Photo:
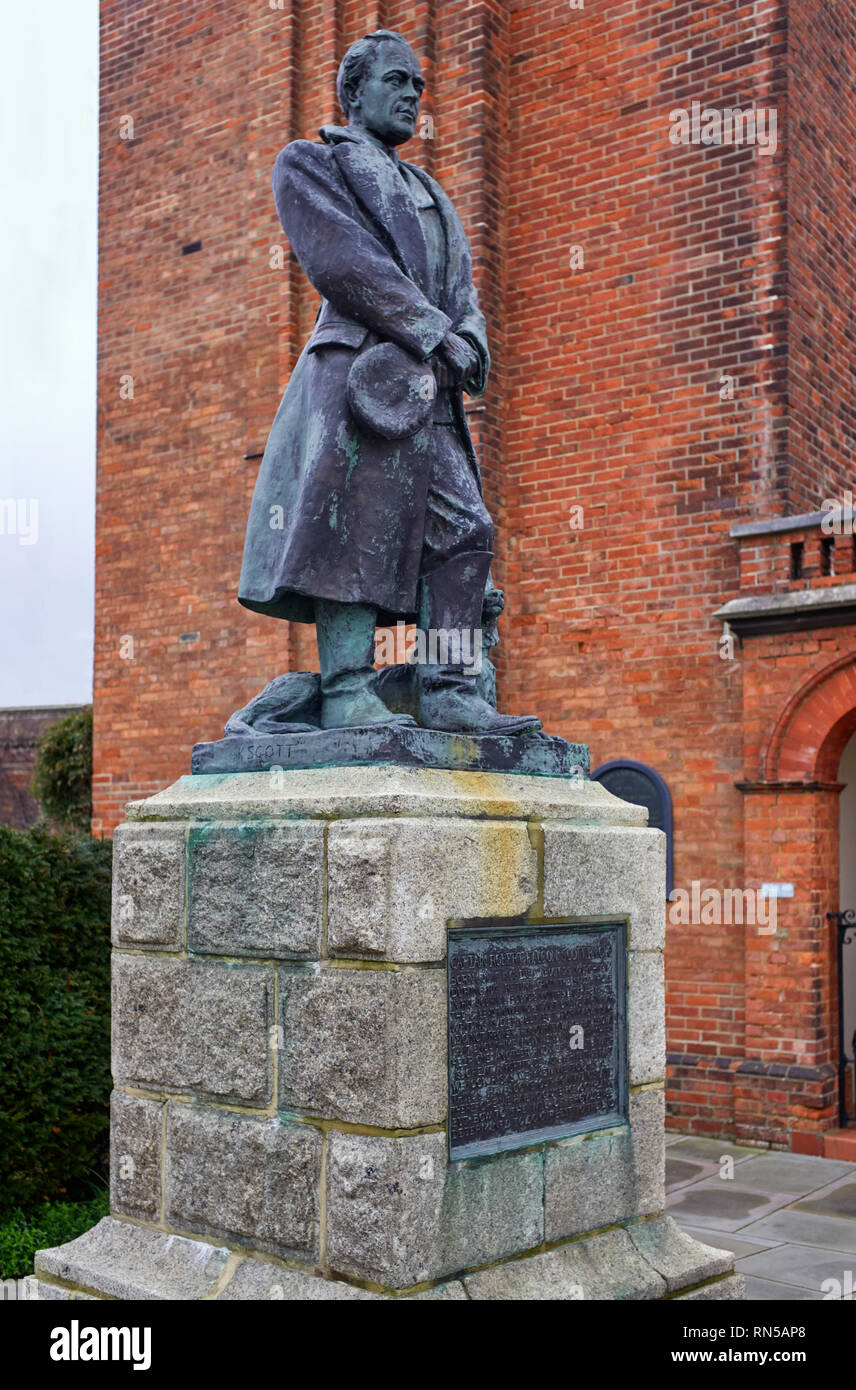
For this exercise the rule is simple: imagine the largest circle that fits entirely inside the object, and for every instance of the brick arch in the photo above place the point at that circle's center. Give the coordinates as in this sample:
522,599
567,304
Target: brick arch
814,727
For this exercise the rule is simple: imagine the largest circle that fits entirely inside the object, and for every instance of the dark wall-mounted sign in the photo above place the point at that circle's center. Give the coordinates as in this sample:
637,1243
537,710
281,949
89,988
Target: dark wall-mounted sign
537,1034
644,787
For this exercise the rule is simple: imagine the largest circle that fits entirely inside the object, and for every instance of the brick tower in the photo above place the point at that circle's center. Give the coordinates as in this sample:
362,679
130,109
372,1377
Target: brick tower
669,300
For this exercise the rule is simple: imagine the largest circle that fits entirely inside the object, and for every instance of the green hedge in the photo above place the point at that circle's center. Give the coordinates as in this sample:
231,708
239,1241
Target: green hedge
53,1223
54,1016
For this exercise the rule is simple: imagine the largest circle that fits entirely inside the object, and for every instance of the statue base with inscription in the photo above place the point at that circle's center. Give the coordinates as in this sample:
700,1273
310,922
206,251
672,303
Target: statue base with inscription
387,1032
399,745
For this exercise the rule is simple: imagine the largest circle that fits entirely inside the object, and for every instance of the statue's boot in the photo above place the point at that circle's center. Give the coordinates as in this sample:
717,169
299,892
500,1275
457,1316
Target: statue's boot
346,645
451,604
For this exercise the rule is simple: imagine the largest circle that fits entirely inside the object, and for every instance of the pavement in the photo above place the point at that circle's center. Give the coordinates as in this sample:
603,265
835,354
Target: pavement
790,1219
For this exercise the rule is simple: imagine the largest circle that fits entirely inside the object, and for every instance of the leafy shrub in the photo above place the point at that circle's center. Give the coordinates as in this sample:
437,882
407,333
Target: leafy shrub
51,1224
63,776
54,1015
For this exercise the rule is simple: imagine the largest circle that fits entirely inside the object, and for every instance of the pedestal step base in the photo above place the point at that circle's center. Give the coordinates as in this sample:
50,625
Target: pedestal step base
647,1260
534,755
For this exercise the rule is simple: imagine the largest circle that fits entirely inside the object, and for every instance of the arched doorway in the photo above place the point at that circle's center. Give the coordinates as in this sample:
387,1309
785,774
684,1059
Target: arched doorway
806,801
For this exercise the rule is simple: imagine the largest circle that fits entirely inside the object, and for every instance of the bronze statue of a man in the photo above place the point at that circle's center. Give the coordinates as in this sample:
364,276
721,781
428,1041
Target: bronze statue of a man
368,507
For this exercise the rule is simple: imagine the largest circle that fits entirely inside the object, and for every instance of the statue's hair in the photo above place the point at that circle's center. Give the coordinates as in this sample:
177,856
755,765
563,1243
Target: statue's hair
352,68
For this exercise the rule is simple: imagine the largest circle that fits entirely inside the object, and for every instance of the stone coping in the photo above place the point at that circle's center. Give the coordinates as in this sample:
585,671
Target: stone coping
344,792
794,601
804,521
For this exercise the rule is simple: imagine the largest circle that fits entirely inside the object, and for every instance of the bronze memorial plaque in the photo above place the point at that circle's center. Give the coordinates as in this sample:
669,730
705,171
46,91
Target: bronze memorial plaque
537,1034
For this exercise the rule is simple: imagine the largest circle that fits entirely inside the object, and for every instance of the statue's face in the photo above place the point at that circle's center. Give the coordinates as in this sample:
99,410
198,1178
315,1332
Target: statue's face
387,101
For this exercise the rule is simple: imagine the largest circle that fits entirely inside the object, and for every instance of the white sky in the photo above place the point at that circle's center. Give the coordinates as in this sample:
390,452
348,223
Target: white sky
48,255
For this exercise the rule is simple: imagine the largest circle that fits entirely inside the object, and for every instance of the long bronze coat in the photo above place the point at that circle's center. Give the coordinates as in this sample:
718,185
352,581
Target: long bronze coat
338,513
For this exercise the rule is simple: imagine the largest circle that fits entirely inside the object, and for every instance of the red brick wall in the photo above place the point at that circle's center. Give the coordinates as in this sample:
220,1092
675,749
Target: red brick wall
821,269
672,384
199,334
616,407
21,732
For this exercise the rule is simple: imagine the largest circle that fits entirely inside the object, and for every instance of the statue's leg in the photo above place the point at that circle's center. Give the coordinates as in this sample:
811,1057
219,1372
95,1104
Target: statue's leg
450,614
456,563
346,644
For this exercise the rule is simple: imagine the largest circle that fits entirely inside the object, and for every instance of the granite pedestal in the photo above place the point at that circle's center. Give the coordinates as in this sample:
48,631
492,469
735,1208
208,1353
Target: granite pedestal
280,1049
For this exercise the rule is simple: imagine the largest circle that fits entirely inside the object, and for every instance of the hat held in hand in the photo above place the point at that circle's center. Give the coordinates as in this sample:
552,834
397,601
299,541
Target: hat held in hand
390,392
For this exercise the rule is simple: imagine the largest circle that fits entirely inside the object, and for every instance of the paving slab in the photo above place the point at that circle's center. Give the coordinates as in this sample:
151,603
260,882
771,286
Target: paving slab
806,1266
721,1205
711,1150
798,1227
686,1164
793,1174
681,1171
765,1290
839,1199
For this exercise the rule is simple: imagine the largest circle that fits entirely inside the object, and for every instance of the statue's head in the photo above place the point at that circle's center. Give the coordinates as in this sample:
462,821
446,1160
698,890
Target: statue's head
380,86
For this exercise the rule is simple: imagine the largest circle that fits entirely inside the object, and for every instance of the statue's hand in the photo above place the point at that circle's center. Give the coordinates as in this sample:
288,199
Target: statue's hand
443,375
459,357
